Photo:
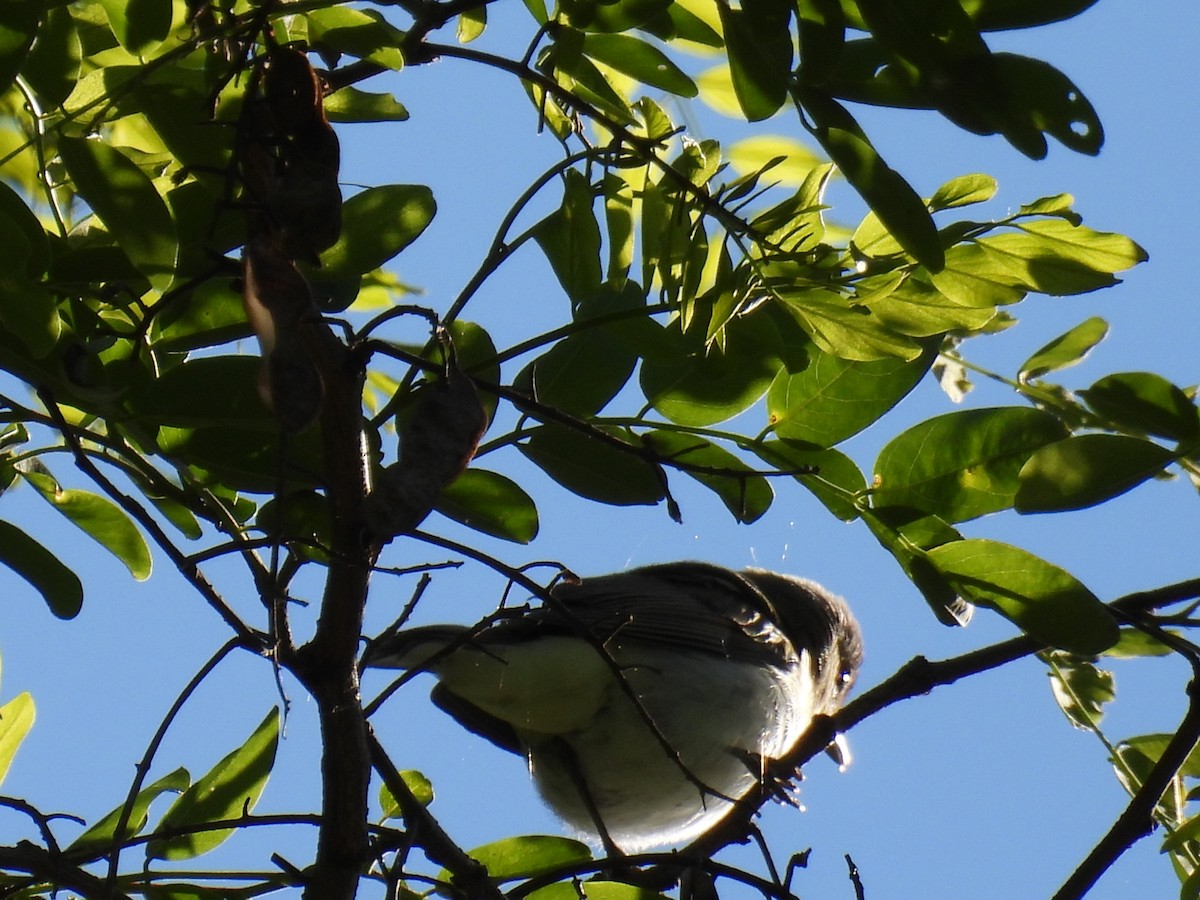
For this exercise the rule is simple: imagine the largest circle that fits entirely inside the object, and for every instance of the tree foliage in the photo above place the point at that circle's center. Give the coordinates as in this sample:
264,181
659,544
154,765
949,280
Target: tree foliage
172,188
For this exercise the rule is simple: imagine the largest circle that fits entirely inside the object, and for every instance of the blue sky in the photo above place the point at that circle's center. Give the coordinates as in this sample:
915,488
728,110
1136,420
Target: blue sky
981,789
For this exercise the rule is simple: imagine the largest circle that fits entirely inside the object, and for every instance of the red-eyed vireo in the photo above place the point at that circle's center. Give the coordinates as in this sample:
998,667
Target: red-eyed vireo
646,701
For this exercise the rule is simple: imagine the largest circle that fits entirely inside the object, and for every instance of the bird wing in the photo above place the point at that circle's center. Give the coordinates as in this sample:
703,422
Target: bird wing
685,606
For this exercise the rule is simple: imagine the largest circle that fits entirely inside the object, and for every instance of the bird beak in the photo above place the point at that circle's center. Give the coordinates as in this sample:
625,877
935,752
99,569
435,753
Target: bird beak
839,752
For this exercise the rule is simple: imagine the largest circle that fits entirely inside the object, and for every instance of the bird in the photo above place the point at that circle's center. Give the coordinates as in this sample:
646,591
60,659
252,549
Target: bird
647,702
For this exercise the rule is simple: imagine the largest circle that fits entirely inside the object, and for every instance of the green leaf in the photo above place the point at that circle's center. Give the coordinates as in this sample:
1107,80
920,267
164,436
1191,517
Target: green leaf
227,791
697,386
490,503
128,204
528,856
833,399
1145,403
1065,350
759,47
898,206
745,495
845,328
796,160
1135,643
104,833
594,469
1046,602
963,191
1004,15
963,464
610,15
1081,689
639,60
18,25
1050,102
206,390
907,533
58,585
596,890
139,25
27,310
212,314
365,35
570,238
418,785
975,276
377,223
1086,469
581,373
52,67
97,517
1055,257
349,104
471,24
246,456
836,481
16,718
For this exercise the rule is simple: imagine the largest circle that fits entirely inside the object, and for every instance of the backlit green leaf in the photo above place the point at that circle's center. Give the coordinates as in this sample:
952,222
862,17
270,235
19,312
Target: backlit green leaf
1087,469
963,464
16,718
1055,257
753,153
227,791
907,533
362,34
349,104
833,399
104,833
128,204
706,386
1044,601
528,855
963,191
639,60
1065,350
490,503
97,517
376,225
835,482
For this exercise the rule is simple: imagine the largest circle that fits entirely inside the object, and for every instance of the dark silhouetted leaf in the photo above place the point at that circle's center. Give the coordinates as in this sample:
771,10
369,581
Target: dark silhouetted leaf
592,468
1145,403
58,585
1087,469
745,495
